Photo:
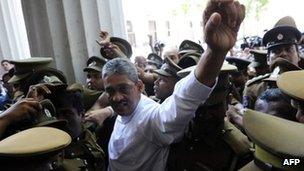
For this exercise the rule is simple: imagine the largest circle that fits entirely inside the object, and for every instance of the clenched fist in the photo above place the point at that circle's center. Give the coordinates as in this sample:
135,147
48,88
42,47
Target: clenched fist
222,19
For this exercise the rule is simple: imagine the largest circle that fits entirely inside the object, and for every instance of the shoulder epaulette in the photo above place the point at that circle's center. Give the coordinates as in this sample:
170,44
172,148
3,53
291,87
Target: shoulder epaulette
256,79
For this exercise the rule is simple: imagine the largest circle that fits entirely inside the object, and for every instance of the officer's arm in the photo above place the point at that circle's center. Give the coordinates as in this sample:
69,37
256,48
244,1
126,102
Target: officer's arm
23,109
101,102
98,116
222,19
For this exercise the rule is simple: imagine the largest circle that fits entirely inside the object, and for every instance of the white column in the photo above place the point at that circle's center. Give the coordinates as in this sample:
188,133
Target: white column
111,17
38,28
13,41
76,37
60,42
91,25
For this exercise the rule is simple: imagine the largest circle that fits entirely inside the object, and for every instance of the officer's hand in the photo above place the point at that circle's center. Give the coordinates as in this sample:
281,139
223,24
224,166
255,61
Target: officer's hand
26,108
38,91
222,19
105,38
109,49
234,115
98,116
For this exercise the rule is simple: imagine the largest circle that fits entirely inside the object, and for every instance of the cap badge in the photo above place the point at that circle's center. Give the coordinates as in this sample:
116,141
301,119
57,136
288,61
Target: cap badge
46,79
280,36
92,64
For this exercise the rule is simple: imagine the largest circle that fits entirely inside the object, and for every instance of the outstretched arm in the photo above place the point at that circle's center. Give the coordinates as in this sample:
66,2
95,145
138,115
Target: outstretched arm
222,19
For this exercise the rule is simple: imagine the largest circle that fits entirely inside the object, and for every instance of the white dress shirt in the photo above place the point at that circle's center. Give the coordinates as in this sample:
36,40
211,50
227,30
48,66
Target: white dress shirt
141,140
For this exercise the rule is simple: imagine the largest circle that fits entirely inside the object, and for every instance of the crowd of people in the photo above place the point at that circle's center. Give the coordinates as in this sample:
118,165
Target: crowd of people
185,109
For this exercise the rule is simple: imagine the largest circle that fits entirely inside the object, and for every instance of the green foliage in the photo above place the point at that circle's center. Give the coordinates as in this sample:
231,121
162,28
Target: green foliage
187,5
255,7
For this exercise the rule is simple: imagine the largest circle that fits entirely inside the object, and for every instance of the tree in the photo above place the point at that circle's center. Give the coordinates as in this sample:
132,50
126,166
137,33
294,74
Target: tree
254,7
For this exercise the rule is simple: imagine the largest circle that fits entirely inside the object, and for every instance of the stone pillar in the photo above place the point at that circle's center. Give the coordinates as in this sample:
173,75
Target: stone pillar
111,17
60,42
47,33
13,37
76,37
91,26
38,28
67,30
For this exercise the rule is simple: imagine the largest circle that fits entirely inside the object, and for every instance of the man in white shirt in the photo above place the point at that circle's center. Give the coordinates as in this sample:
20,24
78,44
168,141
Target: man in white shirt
144,129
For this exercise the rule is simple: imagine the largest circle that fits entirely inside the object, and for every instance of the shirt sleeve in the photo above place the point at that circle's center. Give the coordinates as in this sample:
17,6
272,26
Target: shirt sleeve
173,115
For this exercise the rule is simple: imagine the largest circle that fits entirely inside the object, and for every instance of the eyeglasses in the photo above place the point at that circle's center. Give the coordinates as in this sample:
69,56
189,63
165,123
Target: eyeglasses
122,89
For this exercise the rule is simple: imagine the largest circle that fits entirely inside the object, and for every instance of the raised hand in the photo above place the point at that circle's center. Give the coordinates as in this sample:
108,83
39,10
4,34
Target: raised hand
222,19
38,91
108,49
105,38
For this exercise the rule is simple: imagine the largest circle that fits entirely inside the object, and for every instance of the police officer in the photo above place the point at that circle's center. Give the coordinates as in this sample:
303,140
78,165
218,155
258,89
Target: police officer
147,75
94,84
39,148
23,69
281,42
279,66
83,152
156,60
189,53
271,135
166,79
259,62
238,78
291,83
93,70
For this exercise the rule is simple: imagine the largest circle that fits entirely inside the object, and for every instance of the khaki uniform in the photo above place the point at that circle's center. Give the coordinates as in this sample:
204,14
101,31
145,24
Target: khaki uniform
39,148
89,96
276,141
84,154
253,88
225,148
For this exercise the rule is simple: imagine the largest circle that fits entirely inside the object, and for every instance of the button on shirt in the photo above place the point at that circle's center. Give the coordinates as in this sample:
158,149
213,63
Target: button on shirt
141,140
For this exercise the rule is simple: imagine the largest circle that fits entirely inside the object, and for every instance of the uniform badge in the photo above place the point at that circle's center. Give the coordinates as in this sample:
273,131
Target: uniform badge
47,79
92,64
280,36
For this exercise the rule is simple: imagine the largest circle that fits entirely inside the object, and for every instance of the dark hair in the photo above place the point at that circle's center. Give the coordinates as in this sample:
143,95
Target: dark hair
273,94
5,60
66,99
283,110
296,46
